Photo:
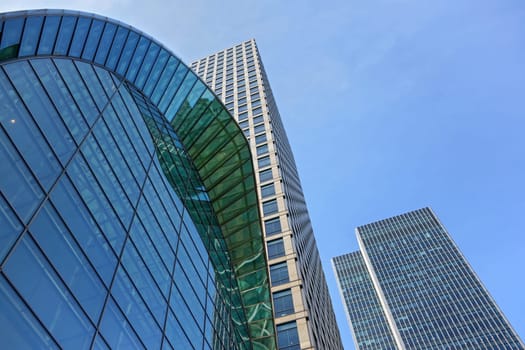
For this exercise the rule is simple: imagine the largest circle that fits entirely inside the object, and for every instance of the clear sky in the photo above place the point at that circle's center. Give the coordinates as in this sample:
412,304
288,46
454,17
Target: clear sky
390,105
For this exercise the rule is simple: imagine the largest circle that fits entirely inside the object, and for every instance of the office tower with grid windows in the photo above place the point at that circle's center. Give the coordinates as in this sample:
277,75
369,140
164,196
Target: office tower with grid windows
128,203
303,310
409,287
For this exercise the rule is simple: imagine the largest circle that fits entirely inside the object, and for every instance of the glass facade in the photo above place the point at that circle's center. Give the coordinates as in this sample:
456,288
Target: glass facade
128,204
430,297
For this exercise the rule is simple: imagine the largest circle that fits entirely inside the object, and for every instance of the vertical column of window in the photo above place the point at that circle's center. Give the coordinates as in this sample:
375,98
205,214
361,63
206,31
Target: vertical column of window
146,65
95,32
10,43
175,335
272,226
165,79
275,248
270,207
79,37
32,29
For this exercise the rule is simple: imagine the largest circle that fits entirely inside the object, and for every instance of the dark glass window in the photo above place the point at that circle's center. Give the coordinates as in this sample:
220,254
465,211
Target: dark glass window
270,207
265,175
264,161
243,116
48,35
260,139
243,124
31,34
257,110
275,248
287,336
268,190
258,128
279,274
258,120
262,149
272,226
283,303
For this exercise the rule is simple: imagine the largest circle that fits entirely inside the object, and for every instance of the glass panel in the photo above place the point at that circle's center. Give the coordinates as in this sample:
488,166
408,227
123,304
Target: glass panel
272,226
82,225
78,89
275,248
93,84
116,329
165,78
270,207
279,274
172,87
116,46
49,33
105,43
81,32
61,97
138,57
41,108
67,27
11,226
265,175
11,35
156,71
128,50
135,311
147,64
31,35
175,333
287,336
41,288
181,95
92,41
20,328
268,190
66,257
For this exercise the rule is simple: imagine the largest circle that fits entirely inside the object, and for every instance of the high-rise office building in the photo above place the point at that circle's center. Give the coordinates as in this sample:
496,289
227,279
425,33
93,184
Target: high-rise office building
129,216
409,287
303,310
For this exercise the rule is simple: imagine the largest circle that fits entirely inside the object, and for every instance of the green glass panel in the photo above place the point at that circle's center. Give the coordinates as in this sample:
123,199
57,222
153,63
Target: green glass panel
255,295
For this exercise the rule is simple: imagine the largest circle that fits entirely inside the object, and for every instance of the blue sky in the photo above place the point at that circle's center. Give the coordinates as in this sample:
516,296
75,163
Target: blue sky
390,105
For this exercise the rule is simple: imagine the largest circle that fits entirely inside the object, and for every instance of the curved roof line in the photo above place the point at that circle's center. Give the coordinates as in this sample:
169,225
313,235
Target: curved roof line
209,133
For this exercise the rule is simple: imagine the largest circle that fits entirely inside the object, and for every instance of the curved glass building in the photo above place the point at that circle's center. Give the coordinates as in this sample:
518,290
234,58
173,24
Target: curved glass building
128,209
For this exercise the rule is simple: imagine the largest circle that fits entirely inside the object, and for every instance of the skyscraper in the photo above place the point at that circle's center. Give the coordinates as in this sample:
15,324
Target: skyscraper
409,287
303,309
128,208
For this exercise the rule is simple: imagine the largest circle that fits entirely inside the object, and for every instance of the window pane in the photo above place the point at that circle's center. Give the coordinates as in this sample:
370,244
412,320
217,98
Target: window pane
31,34
105,43
283,303
260,138
262,149
268,190
64,35
287,336
272,226
41,288
92,41
79,37
264,161
276,248
270,207
279,274
49,33
265,175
